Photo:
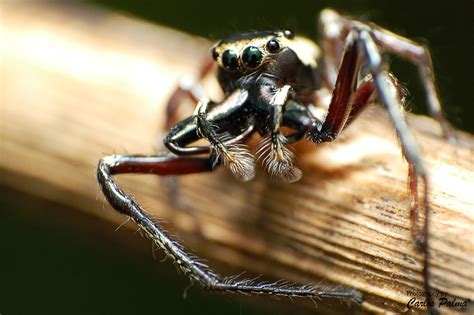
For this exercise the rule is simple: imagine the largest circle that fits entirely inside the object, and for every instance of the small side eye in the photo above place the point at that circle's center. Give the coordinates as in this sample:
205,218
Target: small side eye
214,53
289,34
273,46
230,60
252,57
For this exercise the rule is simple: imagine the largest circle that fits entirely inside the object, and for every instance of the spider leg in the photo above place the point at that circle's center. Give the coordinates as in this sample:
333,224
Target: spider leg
188,87
387,94
334,29
360,98
181,135
421,57
413,189
228,115
299,118
386,85
195,270
348,101
225,125
365,93
340,105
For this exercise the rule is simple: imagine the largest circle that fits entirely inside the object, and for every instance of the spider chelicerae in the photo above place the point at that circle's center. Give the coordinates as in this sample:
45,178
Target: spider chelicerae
274,80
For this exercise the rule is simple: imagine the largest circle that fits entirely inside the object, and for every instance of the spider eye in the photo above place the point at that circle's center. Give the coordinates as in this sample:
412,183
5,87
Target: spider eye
230,60
252,57
273,46
289,34
214,53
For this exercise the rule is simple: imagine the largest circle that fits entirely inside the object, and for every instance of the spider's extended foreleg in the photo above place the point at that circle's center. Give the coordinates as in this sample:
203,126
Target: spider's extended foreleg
195,270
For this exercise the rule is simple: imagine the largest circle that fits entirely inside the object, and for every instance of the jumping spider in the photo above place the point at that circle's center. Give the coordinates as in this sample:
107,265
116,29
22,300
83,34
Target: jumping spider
274,79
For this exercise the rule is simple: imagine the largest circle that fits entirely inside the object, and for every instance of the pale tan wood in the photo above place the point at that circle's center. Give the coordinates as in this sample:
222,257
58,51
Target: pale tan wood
79,83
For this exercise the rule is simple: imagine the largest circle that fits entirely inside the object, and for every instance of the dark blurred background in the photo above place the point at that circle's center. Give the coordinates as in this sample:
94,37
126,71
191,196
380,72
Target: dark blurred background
48,267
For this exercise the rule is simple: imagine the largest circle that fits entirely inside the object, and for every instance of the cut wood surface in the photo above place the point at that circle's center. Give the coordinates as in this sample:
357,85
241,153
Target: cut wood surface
79,83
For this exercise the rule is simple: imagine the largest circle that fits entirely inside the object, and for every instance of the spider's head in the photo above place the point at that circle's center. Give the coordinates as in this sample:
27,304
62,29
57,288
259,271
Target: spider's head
247,52
279,53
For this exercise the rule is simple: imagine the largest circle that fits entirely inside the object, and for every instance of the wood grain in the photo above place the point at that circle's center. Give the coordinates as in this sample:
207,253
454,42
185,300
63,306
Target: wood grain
79,83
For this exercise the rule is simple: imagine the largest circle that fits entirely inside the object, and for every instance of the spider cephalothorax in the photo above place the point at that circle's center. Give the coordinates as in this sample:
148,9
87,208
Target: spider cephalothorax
274,80
268,77
291,59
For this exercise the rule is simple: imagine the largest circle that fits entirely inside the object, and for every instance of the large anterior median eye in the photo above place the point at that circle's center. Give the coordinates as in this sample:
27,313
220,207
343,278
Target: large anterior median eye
252,57
230,60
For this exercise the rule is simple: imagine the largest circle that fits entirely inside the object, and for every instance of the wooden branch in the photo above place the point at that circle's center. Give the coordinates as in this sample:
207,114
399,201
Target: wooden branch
79,83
